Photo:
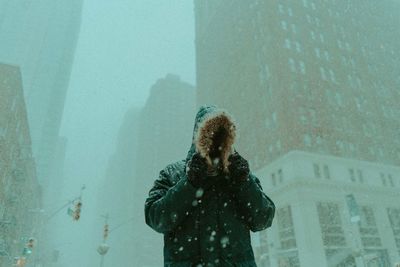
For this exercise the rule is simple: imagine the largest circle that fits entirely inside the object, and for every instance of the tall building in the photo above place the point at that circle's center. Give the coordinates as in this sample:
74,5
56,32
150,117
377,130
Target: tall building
164,136
20,193
116,196
313,86
315,76
40,37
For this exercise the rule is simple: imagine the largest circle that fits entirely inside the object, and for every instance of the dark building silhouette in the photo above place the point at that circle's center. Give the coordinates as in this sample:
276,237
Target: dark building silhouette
165,134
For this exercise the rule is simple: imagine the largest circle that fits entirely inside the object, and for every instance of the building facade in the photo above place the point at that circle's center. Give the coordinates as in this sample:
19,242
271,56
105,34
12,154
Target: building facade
315,225
40,37
307,75
20,193
314,89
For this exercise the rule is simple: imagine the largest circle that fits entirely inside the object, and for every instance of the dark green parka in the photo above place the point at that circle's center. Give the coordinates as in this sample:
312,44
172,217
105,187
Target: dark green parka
210,227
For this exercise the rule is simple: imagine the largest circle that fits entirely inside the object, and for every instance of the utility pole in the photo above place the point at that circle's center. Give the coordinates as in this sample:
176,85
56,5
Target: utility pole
103,248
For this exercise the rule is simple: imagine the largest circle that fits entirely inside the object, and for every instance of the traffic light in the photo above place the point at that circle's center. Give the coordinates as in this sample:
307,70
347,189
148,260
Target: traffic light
31,243
105,232
28,249
77,211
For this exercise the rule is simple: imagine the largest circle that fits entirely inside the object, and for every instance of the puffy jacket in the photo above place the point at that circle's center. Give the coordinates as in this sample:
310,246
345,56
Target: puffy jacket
211,227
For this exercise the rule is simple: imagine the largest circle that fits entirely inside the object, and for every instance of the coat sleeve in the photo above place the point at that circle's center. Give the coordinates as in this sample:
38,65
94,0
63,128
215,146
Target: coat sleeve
168,204
254,206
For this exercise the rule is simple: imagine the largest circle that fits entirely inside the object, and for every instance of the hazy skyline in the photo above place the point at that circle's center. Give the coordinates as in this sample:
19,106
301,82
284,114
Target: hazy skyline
123,48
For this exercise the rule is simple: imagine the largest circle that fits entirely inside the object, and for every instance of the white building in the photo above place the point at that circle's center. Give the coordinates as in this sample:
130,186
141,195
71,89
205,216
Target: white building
312,225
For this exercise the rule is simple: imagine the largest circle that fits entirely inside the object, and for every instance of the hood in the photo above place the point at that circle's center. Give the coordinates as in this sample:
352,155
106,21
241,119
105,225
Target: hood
212,122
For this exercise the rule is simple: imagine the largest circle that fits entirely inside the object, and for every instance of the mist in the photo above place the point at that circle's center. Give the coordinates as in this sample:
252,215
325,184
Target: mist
101,106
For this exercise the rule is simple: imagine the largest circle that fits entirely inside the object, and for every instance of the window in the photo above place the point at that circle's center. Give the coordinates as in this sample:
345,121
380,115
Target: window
302,67
323,73
280,8
321,38
394,218
383,179
3,131
274,118
331,224
368,229
284,25
327,57
286,228
294,29
391,182
287,43
326,172
292,65
290,11
317,52
360,176
298,47
317,172
308,18
352,62
280,176
312,35
351,174
358,80
317,22
339,43
333,77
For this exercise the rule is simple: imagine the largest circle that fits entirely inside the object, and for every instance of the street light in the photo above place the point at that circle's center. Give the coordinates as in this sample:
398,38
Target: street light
103,248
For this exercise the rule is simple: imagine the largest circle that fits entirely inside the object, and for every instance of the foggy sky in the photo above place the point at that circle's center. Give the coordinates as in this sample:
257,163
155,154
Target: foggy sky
123,48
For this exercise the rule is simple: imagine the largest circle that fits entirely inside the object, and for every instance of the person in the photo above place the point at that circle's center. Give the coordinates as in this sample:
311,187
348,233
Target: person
207,204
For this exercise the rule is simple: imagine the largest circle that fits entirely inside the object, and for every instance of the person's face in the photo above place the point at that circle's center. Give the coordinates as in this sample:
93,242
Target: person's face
217,142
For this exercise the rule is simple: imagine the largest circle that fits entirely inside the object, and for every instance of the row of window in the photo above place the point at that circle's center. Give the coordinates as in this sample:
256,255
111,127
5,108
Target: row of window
332,229
327,74
285,26
356,175
322,54
297,66
346,148
387,180
293,44
321,171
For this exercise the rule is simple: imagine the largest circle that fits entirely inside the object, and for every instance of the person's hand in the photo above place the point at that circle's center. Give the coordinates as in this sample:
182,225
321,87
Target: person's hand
196,171
238,170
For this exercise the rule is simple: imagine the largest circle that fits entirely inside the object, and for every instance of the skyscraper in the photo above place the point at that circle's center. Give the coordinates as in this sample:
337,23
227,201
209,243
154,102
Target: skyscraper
40,37
117,197
316,76
313,86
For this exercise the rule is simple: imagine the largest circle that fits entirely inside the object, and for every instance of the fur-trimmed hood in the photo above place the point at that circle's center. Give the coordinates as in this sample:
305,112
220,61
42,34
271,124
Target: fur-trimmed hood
210,120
